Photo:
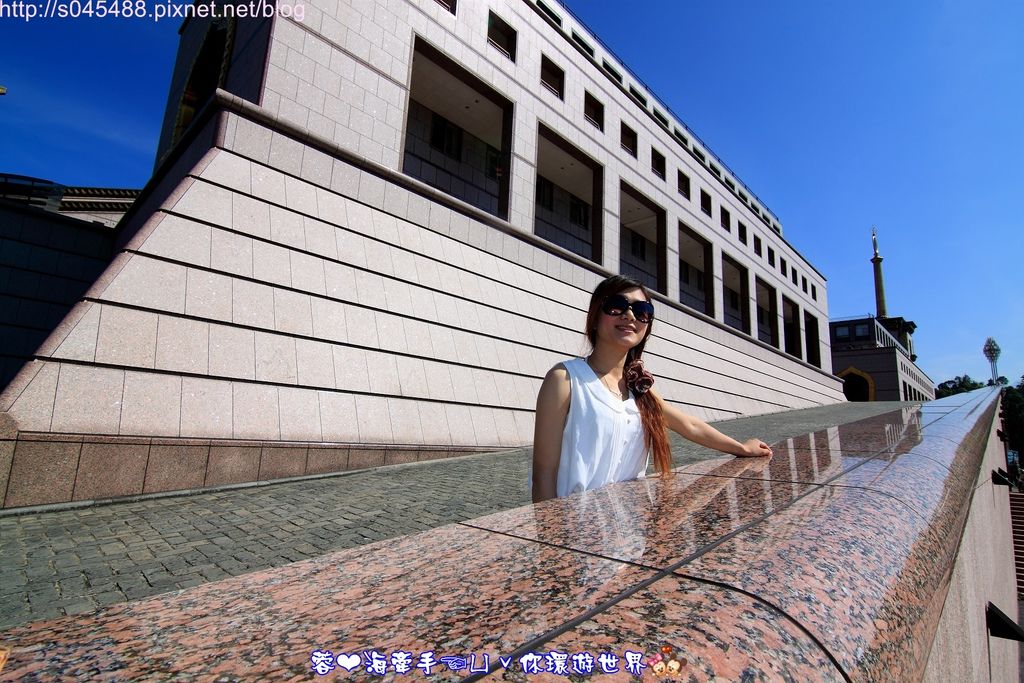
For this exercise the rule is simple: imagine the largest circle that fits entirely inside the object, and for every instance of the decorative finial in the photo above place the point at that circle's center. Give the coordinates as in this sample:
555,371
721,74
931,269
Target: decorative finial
874,239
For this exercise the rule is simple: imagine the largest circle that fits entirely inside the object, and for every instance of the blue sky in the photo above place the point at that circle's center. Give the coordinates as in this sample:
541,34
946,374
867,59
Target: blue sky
839,116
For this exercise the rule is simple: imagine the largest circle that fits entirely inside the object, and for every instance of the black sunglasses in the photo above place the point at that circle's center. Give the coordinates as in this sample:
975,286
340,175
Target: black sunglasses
617,304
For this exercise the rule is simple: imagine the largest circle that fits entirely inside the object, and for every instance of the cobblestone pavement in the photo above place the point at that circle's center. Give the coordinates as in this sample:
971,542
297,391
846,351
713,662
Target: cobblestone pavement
74,561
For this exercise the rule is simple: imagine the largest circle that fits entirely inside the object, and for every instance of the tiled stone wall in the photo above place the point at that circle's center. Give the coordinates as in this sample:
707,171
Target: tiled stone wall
343,74
285,295
281,282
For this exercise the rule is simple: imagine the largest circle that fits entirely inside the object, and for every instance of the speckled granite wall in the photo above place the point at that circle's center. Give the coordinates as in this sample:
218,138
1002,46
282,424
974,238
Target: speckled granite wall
830,562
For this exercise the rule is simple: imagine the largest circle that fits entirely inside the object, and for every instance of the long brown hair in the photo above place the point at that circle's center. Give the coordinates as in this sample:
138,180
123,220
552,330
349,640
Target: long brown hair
651,415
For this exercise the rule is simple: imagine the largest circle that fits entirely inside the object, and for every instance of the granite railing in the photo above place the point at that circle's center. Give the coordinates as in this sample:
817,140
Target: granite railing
851,555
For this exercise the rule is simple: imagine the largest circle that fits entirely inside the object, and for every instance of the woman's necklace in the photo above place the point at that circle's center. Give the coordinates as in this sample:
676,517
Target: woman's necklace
614,391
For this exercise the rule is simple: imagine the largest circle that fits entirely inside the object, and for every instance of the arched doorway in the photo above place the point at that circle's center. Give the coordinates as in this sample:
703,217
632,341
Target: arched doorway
857,385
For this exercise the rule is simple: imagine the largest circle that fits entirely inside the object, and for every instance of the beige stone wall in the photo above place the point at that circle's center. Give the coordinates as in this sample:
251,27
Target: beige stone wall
350,85
983,573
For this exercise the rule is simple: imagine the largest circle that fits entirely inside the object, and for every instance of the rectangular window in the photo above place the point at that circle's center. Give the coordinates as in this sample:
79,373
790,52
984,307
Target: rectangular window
742,230
446,137
680,137
638,96
683,183
448,5
814,292
628,139
579,213
549,13
771,257
803,284
757,245
593,110
661,118
583,43
842,332
725,218
658,163
792,275
705,202
552,77
638,246
782,266
501,36
545,193
493,157
611,70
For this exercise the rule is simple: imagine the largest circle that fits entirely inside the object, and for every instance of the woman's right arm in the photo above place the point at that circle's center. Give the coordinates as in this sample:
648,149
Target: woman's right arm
552,411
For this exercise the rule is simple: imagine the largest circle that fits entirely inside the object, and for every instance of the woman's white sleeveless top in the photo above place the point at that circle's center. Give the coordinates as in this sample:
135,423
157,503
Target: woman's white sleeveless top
603,441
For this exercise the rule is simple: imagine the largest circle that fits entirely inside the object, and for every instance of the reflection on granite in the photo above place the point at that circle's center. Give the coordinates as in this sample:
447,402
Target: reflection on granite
829,561
713,634
862,572
653,522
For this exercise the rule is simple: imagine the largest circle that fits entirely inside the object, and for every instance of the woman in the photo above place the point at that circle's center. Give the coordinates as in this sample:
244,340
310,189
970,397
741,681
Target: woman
598,417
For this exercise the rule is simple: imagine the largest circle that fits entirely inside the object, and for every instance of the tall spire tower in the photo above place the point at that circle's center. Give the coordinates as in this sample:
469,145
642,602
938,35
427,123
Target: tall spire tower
876,260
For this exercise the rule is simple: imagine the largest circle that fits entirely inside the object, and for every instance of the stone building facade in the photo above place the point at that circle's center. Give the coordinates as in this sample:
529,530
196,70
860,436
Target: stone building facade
340,261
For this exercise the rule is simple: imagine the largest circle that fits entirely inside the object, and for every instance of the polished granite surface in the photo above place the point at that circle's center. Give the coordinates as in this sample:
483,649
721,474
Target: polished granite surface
831,561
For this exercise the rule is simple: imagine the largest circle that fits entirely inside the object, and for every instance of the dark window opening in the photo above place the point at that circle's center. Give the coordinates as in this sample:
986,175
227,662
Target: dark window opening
628,139
583,43
208,73
445,137
735,295
462,151
771,257
767,313
695,288
448,5
552,77
782,266
658,163
545,193
549,13
492,162
501,36
742,230
683,184
637,246
638,96
593,110
579,212
814,292
642,253
705,202
811,340
757,245
611,70
791,328
725,218
803,284
568,196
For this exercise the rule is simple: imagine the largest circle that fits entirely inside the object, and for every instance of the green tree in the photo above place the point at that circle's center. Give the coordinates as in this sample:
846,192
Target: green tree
957,385
1013,416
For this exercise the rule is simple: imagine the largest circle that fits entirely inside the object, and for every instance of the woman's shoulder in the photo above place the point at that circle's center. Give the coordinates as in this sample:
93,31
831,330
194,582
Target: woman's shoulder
567,369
